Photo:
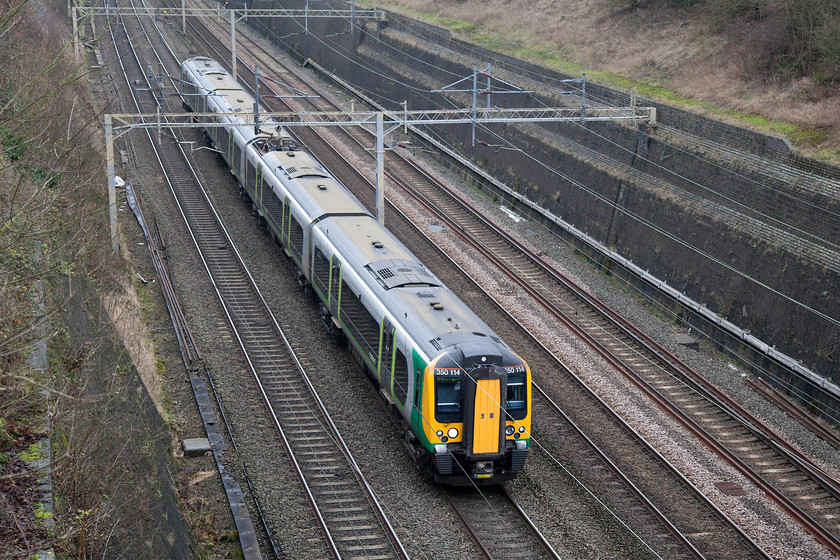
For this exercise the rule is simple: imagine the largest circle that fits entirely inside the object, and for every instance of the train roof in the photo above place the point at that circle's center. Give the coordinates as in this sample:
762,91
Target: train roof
428,311
311,185
431,313
229,94
305,179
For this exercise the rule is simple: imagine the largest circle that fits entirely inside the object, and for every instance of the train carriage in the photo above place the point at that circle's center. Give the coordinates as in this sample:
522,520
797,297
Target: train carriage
462,395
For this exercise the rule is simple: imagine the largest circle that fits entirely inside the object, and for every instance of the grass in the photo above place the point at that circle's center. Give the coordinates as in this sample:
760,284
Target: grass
525,45
434,18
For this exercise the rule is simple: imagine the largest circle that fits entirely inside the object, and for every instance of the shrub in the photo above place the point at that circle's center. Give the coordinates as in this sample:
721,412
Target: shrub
813,27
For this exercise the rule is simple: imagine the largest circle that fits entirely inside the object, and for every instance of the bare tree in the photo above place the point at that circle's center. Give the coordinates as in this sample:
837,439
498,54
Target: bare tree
52,227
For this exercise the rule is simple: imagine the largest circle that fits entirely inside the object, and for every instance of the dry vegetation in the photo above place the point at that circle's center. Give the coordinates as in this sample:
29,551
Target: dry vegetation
768,64
46,171
53,234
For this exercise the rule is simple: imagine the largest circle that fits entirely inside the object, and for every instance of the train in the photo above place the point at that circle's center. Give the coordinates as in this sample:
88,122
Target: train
460,394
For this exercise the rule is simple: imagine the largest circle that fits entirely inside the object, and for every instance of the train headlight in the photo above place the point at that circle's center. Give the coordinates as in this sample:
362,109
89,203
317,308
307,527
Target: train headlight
509,431
521,429
452,433
439,433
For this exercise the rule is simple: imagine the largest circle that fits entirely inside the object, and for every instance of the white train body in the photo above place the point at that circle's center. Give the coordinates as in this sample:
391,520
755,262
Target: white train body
463,396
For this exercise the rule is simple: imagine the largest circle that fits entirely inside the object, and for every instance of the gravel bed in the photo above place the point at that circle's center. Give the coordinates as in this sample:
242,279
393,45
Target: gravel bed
419,511
695,461
760,517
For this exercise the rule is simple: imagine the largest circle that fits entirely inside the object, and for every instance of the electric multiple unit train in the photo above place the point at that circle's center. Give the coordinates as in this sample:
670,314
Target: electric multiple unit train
462,395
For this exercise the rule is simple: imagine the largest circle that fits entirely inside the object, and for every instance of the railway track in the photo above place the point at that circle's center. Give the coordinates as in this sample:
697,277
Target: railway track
498,525
714,522
791,479
352,521
121,33
519,270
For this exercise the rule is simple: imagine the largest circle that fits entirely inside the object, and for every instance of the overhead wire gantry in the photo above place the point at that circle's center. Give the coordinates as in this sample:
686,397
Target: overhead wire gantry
383,122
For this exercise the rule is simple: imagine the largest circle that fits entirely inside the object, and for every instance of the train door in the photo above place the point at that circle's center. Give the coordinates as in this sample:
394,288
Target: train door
250,183
258,185
213,133
386,353
418,387
231,153
335,286
222,137
483,415
287,218
399,384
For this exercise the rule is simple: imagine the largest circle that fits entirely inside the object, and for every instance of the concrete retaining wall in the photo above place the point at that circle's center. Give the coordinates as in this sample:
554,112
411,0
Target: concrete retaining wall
669,187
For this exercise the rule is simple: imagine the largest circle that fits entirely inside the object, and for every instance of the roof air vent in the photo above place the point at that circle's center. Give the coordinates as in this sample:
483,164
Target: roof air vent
322,187
438,306
377,244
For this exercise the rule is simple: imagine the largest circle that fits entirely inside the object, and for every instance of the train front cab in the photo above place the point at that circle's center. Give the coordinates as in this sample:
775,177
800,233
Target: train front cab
476,416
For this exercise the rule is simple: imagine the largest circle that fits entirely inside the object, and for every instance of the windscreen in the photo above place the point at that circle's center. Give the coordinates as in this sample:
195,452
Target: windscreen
448,398
517,397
